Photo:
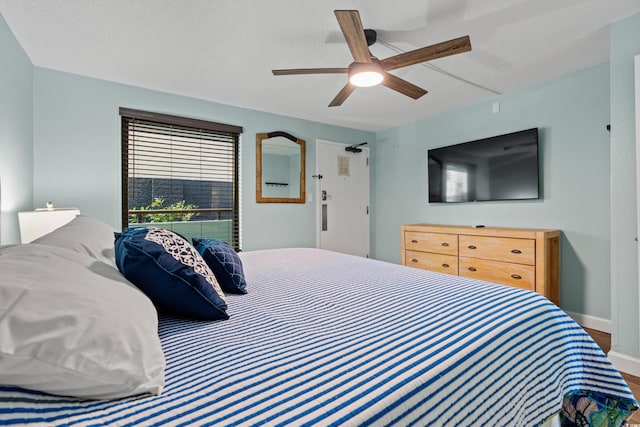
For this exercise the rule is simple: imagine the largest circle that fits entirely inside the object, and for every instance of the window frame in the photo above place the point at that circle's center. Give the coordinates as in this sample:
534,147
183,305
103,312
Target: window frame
128,116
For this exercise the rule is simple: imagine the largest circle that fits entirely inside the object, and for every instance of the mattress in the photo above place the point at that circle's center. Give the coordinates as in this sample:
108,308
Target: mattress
330,339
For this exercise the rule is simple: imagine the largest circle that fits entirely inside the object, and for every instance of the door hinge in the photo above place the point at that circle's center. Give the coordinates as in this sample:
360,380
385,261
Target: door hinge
367,161
367,210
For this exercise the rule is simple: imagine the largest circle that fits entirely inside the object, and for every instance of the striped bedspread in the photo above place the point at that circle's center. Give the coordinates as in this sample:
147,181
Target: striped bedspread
330,339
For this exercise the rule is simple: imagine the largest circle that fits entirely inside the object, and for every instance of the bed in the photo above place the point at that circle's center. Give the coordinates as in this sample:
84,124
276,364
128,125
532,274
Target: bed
322,338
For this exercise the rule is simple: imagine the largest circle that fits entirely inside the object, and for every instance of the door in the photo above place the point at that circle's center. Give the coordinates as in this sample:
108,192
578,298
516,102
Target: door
637,88
342,195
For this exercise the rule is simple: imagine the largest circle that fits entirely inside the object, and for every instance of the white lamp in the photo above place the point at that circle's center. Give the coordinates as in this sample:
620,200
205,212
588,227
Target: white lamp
366,74
42,221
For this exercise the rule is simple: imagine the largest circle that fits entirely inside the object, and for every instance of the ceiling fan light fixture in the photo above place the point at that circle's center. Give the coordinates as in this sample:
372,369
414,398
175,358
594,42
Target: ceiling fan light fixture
366,74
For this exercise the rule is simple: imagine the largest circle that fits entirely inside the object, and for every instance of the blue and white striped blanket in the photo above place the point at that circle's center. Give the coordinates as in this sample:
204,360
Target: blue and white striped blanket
330,339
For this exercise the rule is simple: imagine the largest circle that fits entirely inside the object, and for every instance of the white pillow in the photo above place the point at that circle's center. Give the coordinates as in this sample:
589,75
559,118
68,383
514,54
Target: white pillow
84,234
74,326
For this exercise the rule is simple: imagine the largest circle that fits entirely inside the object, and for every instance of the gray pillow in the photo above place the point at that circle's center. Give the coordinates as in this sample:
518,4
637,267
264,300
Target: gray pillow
73,326
86,235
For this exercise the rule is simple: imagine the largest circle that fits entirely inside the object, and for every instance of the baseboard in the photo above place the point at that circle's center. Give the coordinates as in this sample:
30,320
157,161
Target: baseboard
623,363
591,322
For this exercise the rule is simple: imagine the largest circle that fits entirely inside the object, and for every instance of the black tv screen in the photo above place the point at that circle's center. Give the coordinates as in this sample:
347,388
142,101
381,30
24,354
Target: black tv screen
503,167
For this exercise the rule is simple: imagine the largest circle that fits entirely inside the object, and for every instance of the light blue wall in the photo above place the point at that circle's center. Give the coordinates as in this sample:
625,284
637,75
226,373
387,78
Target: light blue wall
16,137
571,113
77,151
625,44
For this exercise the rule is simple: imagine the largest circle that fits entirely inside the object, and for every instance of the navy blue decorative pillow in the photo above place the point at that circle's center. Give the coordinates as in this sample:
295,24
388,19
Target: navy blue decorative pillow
225,263
171,272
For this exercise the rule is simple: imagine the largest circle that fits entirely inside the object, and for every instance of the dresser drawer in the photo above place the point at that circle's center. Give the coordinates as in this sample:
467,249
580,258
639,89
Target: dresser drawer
430,261
518,275
521,251
431,242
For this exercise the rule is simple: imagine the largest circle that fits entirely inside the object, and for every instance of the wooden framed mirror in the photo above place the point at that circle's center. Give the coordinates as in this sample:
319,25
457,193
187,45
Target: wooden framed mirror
280,168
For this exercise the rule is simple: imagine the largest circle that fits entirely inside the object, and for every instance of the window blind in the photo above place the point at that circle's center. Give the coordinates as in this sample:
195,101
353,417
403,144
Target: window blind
181,172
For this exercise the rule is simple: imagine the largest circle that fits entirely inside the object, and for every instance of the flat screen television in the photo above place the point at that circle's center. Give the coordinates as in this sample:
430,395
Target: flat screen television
503,167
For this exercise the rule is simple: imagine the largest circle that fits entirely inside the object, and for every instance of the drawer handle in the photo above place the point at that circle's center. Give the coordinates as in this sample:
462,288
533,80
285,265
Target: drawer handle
516,276
414,241
471,247
516,251
472,269
445,244
445,265
414,260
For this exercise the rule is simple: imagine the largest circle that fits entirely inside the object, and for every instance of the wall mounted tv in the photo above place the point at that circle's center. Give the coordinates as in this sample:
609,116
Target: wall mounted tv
503,167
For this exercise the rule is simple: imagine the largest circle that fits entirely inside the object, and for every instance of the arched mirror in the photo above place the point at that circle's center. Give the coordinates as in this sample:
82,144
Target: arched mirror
280,168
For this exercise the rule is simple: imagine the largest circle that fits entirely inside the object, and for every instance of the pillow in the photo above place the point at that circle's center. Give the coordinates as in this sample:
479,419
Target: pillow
166,267
224,262
86,235
73,326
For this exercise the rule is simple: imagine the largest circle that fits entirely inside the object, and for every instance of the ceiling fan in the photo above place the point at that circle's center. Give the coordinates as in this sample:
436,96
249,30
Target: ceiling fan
367,70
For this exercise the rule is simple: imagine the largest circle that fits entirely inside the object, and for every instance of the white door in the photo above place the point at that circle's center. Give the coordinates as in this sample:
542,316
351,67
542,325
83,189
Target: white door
342,198
637,84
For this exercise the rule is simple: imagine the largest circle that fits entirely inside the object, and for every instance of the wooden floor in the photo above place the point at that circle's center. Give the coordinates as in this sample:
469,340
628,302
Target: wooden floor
604,341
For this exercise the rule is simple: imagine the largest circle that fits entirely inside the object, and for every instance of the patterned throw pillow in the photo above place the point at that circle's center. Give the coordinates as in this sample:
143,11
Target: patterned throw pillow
225,263
171,272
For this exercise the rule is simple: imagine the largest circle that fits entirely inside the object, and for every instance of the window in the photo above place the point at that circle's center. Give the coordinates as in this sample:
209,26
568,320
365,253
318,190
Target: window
181,174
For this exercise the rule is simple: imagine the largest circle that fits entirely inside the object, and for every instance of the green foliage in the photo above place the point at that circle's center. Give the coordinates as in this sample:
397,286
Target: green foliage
159,204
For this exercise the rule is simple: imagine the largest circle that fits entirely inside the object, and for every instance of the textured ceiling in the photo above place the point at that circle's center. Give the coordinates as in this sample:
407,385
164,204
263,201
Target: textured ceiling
224,51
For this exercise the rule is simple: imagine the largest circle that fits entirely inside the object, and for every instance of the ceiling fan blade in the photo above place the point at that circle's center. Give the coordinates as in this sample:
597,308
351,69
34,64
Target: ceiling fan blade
310,71
402,86
438,50
342,95
351,27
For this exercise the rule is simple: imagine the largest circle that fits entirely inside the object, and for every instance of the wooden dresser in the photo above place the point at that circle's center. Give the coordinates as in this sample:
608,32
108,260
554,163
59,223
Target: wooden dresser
526,258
